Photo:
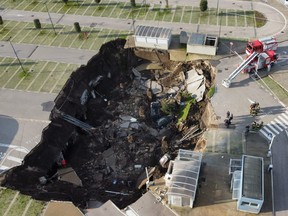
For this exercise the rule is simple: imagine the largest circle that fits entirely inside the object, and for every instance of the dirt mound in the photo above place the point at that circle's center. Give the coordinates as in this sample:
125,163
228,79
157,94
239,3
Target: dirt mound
110,121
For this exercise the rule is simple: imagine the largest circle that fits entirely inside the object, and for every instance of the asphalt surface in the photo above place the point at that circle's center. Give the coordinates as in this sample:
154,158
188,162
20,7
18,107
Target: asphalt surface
23,115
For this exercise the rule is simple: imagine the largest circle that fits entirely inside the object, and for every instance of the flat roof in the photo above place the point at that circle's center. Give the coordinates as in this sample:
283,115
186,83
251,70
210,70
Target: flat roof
197,38
185,174
147,205
152,31
64,208
252,177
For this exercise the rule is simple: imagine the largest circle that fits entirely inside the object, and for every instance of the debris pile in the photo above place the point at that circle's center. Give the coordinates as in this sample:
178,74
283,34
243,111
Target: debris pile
115,117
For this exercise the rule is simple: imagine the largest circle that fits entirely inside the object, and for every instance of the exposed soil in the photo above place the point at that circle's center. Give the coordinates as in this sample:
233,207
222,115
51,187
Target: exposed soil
112,154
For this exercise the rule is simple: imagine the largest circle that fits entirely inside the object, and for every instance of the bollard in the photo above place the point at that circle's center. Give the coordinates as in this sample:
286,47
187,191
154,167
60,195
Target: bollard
77,27
37,24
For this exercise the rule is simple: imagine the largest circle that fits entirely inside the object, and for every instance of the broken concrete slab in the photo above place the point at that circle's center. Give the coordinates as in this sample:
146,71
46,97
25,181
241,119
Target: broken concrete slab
156,87
127,118
69,175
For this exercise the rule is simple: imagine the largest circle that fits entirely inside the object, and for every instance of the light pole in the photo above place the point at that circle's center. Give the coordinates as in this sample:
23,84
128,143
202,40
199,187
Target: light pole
50,18
16,54
217,7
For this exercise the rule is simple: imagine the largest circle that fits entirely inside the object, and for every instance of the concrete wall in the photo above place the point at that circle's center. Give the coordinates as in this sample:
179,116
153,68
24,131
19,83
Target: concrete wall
148,42
180,201
201,49
249,205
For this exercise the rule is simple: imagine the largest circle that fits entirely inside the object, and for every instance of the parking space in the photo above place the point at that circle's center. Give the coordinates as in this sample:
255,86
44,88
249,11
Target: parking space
40,76
90,38
155,12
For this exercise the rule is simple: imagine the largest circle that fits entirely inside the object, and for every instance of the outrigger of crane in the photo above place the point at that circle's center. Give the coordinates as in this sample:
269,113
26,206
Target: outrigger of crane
260,54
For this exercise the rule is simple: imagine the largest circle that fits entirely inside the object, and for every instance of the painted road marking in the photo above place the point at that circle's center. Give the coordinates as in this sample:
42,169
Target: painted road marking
12,158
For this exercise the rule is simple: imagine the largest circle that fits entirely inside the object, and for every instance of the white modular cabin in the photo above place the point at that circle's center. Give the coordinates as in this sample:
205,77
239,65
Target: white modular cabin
152,37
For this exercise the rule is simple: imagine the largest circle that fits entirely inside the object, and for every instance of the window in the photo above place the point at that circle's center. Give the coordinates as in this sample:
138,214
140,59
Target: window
254,205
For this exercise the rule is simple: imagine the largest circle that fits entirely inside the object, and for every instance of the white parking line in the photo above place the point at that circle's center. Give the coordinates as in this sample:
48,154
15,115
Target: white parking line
8,67
57,81
35,78
11,30
2,167
12,158
8,145
11,77
48,76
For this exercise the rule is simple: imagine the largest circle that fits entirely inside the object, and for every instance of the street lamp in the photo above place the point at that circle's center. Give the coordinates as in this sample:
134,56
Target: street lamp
217,7
9,39
50,17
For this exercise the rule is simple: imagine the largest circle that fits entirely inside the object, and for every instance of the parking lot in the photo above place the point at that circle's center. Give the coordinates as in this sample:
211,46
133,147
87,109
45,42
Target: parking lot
153,12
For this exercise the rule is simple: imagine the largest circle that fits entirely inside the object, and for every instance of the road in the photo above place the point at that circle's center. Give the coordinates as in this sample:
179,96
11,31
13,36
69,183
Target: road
237,100
280,176
23,115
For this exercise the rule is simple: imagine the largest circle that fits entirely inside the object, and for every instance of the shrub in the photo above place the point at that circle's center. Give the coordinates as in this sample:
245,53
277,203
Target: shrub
203,5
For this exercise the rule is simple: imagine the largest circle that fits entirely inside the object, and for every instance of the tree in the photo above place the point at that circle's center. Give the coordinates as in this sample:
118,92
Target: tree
65,1
97,1
133,3
203,5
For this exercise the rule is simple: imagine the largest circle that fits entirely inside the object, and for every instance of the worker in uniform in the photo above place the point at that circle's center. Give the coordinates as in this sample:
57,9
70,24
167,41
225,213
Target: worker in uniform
254,108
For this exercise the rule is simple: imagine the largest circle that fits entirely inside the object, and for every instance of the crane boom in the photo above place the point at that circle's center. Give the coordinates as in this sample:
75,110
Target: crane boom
242,66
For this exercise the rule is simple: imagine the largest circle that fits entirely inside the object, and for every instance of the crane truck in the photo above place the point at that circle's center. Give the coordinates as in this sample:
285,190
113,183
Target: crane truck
260,54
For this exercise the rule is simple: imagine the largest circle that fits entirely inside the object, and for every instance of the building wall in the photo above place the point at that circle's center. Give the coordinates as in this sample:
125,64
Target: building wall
180,201
201,49
148,42
249,205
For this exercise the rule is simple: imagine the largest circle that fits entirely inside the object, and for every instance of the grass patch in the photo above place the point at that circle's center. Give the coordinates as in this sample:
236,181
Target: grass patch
177,14
240,18
19,205
260,19
211,92
184,110
277,90
4,30
36,208
204,17
24,73
6,196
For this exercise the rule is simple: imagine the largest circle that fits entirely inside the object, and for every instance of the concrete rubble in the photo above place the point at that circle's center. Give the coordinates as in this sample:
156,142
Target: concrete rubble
115,99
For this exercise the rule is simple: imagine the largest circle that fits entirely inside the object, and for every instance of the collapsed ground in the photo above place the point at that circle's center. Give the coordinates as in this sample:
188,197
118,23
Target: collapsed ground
132,106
